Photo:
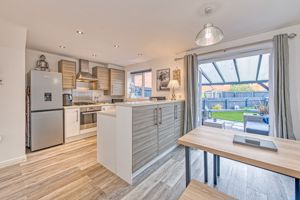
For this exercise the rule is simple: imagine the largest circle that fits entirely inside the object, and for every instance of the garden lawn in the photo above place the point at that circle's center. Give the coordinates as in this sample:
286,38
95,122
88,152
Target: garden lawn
237,116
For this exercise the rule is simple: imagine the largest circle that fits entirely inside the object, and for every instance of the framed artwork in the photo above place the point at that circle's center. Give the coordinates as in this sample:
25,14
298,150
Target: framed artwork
162,79
177,75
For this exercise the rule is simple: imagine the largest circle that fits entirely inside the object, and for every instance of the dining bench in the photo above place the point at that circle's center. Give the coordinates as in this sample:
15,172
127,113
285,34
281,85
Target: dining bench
201,191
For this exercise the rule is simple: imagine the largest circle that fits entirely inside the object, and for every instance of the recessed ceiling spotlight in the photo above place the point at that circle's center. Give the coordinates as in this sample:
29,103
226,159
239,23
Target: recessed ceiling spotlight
79,32
116,46
62,46
94,55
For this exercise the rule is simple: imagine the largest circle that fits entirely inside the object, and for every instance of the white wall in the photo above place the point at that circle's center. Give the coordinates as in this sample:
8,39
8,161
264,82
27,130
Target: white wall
12,93
160,63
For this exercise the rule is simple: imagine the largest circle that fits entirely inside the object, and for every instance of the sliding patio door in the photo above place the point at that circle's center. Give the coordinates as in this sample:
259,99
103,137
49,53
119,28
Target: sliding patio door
236,90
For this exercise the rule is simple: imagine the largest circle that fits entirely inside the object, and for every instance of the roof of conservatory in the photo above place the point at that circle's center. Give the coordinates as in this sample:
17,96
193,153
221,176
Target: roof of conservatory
244,70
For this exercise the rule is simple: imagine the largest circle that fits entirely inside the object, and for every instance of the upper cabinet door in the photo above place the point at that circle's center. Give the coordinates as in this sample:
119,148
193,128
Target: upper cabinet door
117,82
102,74
68,70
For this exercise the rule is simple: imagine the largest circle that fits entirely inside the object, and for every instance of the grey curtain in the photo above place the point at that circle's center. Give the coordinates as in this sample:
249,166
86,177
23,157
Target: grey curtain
192,91
282,107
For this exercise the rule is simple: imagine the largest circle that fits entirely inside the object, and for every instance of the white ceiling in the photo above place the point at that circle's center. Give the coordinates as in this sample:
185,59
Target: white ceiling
153,27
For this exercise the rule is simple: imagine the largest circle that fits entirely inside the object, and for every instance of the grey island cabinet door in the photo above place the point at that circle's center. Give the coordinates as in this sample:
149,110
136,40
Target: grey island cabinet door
179,122
144,135
165,127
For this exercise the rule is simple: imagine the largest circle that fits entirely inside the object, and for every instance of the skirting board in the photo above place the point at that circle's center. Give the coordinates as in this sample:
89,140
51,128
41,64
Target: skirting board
153,161
79,137
14,161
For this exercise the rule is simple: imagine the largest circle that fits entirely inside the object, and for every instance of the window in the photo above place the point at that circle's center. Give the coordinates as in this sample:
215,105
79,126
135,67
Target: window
141,84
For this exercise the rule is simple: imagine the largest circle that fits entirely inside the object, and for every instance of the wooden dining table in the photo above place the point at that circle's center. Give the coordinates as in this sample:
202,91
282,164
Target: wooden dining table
219,142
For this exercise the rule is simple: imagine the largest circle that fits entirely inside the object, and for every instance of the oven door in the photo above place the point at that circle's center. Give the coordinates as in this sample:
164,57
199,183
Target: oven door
88,120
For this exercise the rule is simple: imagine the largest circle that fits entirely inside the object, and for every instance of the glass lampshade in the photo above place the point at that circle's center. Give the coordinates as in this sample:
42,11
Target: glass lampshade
173,84
209,35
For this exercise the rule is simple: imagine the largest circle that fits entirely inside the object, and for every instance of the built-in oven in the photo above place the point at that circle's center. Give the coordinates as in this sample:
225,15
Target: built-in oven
88,117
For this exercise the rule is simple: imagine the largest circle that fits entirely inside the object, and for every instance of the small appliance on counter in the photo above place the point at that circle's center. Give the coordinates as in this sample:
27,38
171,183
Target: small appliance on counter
67,99
117,100
158,98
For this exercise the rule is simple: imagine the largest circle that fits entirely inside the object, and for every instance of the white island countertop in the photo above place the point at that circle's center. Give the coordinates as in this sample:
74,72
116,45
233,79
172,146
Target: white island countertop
111,113
146,103
90,105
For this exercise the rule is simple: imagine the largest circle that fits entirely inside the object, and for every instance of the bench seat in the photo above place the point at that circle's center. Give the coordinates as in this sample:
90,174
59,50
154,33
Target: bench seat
200,191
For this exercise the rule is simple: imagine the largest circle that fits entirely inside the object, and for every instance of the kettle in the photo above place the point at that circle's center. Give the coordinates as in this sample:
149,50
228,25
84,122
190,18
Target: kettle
67,99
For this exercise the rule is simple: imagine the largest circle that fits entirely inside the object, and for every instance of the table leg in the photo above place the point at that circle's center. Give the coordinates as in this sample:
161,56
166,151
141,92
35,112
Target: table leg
215,169
297,188
219,169
205,168
187,166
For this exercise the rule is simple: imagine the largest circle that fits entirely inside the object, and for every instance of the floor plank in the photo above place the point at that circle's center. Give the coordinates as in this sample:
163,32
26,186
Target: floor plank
71,172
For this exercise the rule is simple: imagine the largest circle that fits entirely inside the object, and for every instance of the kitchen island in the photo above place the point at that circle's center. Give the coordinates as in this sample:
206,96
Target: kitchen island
137,134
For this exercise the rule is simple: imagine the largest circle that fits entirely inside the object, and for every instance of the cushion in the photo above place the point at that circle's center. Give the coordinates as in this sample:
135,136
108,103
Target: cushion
257,128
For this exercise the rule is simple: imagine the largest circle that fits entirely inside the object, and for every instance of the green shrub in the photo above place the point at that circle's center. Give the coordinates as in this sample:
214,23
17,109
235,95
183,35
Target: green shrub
217,107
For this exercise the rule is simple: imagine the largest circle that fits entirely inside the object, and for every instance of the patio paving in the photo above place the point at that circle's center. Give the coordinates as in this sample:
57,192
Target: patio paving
231,125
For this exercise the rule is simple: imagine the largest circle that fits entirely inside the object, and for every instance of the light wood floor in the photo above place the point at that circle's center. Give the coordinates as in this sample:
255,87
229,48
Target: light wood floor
71,172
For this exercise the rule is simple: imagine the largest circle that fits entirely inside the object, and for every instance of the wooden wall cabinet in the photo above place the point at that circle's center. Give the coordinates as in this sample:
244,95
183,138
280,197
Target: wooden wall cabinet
102,74
117,82
68,70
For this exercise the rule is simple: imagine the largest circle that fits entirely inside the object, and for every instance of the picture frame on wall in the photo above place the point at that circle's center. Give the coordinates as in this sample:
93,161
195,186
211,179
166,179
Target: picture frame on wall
162,79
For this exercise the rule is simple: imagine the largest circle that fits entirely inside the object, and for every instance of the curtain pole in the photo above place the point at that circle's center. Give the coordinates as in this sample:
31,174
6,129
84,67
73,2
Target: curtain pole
291,36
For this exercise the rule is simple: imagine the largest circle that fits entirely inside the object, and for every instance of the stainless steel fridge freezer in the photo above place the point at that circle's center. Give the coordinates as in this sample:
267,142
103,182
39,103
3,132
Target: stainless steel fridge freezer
46,109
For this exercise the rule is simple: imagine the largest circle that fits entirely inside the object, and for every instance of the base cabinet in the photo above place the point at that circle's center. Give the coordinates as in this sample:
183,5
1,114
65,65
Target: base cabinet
178,120
155,129
71,122
165,127
144,136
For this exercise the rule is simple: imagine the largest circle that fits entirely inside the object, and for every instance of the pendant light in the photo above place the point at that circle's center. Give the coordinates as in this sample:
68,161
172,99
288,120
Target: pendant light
210,34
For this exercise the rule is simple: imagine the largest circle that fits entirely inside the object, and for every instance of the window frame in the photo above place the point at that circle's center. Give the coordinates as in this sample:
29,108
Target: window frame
143,72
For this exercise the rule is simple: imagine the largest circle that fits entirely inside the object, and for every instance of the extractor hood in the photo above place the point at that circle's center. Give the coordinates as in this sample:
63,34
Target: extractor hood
84,74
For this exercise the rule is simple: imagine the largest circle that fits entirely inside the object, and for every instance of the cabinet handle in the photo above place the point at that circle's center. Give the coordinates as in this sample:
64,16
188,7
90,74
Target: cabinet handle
155,116
76,115
175,112
160,116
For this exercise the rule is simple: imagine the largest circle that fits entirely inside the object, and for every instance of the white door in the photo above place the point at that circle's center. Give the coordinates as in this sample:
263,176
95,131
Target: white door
72,122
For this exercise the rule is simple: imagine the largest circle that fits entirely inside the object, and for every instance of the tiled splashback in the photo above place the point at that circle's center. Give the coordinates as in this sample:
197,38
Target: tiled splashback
83,93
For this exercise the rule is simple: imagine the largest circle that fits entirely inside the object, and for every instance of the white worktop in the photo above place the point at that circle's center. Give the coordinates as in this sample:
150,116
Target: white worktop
111,113
146,103
86,106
